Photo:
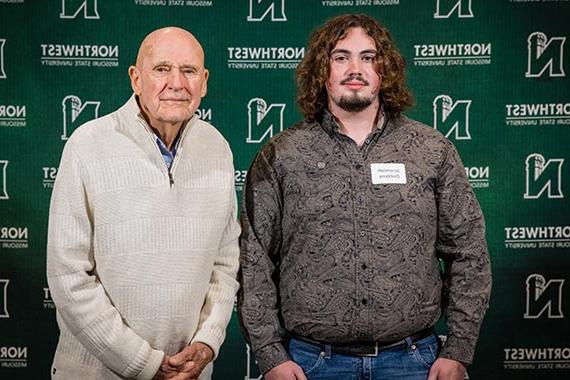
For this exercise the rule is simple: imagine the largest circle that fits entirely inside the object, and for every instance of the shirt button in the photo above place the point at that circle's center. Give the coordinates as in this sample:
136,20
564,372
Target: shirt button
367,141
362,233
364,266
358,166
364,301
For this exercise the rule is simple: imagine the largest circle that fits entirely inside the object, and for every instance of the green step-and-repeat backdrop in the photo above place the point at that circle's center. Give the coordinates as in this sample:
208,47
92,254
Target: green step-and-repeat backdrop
492,75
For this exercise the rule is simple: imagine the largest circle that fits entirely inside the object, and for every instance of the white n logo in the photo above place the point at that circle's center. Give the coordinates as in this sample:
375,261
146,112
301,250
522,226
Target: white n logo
451,117
2,72
76,113
4,299
263,119
543,296
71,8
3,176
545,54
252,370
543,175
258,9
444,8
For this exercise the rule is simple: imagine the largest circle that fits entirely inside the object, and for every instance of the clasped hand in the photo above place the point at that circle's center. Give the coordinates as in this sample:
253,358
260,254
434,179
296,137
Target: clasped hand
185,365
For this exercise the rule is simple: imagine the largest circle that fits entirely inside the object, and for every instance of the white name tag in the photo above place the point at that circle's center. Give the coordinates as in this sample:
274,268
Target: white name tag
388,173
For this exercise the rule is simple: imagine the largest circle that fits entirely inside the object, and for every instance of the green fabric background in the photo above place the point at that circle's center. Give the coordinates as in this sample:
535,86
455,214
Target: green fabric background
32,90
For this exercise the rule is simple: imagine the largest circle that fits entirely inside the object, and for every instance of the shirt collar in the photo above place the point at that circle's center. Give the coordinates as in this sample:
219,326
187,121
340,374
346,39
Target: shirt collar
331,126
168,154
163,146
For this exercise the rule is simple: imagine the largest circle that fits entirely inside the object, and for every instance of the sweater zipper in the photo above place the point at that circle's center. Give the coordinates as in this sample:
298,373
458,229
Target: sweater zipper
178,153
170,177
169,171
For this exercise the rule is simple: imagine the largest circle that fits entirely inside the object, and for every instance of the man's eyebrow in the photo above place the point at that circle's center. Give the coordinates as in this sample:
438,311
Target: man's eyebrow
338,51
188,66
344,51
162,63
170,64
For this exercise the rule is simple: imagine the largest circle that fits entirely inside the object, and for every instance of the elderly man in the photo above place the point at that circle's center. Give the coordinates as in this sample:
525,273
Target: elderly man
143,237
347,217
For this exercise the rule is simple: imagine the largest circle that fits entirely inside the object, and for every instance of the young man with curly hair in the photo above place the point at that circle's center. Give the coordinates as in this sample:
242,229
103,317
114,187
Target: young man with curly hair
360,227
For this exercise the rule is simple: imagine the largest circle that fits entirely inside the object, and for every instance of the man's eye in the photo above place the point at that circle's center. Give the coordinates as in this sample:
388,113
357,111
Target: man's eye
368,58
189,71
340,58
161,69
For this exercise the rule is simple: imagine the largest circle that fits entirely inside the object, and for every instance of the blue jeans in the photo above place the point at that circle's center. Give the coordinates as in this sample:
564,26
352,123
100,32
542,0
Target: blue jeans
410,361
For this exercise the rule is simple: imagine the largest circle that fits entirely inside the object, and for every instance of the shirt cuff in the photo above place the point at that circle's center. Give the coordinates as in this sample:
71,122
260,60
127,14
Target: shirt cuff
271,356
461,350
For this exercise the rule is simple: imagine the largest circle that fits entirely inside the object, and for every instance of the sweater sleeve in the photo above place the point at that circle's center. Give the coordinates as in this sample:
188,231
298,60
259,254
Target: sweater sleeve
218,305
462,246
83,306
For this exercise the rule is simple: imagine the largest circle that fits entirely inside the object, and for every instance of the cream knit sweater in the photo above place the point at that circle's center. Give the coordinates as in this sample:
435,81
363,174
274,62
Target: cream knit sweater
139,266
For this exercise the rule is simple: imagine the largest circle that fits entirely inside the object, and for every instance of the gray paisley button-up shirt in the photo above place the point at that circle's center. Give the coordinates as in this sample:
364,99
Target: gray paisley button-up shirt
329,253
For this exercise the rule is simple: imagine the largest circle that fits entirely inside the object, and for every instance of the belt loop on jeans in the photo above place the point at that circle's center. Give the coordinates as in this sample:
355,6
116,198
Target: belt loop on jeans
327,350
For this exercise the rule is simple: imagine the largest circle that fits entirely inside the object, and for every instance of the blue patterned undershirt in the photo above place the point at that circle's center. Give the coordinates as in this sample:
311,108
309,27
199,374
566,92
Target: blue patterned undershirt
167,154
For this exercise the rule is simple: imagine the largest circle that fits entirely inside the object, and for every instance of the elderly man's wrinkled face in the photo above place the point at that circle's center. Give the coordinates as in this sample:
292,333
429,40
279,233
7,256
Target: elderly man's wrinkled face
169,77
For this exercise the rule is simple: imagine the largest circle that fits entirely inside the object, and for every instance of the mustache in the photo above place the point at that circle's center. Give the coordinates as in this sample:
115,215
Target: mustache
354,77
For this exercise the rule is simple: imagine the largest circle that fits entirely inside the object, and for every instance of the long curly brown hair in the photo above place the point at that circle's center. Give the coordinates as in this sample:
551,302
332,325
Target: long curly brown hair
313,71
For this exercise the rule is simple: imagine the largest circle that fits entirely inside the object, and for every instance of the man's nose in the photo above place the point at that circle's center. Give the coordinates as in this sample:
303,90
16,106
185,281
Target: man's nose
354,66
175,78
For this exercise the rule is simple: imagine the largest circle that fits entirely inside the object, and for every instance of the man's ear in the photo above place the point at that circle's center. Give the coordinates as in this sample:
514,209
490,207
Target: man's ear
135,79
205,83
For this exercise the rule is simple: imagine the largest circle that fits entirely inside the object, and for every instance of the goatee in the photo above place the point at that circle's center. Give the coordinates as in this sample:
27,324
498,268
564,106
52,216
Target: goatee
353,103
